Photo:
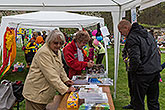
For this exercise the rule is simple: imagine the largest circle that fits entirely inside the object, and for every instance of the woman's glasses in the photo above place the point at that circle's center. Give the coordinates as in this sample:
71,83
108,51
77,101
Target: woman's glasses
84,43
56,43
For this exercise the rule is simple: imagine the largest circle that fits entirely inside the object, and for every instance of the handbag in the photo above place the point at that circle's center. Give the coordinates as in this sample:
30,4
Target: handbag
7,98
17,90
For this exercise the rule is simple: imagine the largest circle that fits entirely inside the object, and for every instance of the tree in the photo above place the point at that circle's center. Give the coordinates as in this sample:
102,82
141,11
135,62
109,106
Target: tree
153,16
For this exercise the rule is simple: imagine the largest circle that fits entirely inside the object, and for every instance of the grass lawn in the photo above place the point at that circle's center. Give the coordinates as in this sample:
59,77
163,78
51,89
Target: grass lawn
122,97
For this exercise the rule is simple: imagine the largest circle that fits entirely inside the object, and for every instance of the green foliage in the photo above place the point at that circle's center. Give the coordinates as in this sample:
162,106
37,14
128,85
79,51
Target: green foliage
153,26
153,16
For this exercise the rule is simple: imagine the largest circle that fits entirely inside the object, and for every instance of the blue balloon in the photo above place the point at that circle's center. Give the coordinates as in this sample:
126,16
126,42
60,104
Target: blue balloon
99,38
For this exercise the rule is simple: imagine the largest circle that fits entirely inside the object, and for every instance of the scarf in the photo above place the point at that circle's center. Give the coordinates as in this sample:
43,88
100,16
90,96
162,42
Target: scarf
80,54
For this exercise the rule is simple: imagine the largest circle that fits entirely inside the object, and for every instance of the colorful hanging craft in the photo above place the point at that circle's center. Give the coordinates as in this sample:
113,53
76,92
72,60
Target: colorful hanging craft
9,51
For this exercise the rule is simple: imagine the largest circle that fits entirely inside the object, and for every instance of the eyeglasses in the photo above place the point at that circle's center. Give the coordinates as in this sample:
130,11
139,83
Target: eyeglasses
56,43
84,43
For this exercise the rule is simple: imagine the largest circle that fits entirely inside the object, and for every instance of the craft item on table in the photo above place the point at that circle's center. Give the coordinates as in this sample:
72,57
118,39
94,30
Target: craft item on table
102,99
84,86
18,67
86,106
80,79
72,101
96,69
100,80
105,80
100,106
94,80
90,92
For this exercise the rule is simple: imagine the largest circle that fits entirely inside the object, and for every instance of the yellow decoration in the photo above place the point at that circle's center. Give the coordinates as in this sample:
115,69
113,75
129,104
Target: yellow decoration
72,101
21,31
9,39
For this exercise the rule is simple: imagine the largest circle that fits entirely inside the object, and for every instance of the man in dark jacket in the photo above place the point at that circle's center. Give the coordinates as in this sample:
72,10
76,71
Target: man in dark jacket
144,64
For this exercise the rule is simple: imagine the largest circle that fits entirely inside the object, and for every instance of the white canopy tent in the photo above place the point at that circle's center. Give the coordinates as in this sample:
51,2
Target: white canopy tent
48,20
116,7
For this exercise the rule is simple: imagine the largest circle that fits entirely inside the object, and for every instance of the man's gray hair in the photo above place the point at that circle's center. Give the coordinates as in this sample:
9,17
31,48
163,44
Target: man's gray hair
53,35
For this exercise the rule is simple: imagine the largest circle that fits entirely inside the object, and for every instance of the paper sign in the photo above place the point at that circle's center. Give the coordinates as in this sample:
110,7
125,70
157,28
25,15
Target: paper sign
106,40
133,15
123,14
104,31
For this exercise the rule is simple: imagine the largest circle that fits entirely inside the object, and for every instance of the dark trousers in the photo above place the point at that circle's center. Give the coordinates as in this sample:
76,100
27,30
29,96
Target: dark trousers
100,58
130,87
34,106
146,85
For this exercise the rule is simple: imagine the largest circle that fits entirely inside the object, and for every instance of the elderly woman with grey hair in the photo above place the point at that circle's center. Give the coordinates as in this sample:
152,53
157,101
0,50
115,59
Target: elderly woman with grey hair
46,74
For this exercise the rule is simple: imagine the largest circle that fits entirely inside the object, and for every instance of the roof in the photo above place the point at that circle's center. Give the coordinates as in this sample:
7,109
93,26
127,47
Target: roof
53,19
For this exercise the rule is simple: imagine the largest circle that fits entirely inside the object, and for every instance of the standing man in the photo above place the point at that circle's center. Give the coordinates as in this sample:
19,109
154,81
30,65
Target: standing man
144,64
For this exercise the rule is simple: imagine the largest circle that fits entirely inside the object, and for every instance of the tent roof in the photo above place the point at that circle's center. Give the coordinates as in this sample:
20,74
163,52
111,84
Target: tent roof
76,5
53,19
64,2
67,5
149,3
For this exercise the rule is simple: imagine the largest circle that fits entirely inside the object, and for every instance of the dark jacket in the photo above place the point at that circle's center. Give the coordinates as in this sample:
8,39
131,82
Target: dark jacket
142,51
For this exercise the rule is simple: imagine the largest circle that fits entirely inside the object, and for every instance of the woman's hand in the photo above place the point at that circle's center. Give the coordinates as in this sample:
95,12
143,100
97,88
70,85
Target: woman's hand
71,89
69,83
91,61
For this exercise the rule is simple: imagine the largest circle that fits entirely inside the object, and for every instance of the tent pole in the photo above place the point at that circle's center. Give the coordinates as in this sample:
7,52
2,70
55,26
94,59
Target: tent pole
116,45
106,54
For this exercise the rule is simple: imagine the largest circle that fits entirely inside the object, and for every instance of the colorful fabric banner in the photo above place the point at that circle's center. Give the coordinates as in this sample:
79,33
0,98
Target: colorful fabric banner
9,51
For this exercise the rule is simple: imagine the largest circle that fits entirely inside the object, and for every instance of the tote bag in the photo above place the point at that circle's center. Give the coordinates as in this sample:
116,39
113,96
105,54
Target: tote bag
7,98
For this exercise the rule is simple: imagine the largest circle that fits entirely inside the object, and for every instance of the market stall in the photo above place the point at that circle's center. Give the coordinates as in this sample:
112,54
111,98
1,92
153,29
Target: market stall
63,103
117,7
92,92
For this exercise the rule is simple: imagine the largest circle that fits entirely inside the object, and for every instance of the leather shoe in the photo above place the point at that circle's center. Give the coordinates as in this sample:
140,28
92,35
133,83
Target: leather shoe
129,106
